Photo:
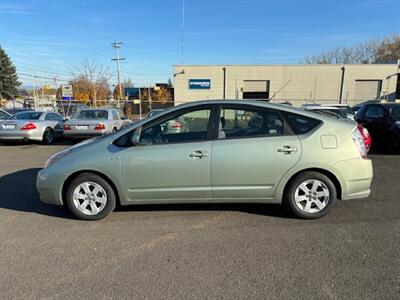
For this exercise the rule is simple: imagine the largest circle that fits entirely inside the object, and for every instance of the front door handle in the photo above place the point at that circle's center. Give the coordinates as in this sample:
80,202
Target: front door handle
198,154
287,149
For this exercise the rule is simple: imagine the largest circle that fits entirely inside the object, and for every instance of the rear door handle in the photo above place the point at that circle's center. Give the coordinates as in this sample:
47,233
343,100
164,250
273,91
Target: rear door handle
287,149
198,154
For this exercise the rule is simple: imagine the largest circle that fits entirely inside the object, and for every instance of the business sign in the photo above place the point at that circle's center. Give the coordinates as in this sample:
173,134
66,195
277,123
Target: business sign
66,92
199,84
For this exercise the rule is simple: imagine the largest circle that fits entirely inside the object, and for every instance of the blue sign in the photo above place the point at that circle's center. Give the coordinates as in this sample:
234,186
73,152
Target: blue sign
67,98
199,84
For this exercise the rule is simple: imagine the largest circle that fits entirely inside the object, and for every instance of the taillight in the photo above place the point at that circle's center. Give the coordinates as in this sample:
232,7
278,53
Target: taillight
28,126
100,127
176,125
359,142
67,127
366,136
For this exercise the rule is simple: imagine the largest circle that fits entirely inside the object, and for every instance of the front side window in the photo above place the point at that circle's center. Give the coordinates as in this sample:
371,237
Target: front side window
374,112
115,115
3,115
249,122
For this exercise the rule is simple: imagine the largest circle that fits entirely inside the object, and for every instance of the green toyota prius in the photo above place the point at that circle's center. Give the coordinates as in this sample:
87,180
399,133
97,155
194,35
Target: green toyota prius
214,151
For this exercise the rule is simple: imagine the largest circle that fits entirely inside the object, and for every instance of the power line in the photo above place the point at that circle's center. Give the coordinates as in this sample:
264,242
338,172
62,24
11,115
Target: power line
117,45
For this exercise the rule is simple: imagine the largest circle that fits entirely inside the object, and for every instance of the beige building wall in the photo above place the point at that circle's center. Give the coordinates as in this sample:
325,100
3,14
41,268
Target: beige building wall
295,83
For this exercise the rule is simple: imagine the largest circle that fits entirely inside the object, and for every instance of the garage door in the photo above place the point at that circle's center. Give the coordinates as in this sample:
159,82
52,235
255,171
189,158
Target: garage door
255,89
367,89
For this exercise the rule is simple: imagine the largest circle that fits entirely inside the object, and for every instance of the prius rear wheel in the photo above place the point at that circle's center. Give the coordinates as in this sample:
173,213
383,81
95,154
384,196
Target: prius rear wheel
310,195
90,197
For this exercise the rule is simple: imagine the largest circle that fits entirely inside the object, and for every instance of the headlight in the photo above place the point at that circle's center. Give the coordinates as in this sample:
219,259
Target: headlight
56,157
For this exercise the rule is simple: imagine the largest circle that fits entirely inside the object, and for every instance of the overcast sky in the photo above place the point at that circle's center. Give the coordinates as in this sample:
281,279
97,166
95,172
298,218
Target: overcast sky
49,37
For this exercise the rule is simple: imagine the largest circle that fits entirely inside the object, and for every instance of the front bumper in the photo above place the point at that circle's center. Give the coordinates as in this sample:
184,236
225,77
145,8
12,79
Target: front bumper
49,186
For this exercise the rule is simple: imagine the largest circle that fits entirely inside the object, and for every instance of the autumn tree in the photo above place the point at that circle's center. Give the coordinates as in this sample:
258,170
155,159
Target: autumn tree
378,51
90,82
127,83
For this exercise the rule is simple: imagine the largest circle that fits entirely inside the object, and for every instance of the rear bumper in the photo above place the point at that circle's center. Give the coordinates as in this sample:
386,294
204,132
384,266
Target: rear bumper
75,134
356,176
15,135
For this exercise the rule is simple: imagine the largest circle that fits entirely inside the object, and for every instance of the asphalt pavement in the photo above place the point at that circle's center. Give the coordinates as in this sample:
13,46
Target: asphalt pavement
196,251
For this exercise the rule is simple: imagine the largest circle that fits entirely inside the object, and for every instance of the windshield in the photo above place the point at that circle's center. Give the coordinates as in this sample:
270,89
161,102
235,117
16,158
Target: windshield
394,112
31,115
91,114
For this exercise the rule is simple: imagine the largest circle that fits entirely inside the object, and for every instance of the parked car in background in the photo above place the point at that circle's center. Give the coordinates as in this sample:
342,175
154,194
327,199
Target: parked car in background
32,125
356,107
93,122
4,115
383,123
327,110
13,111
232,151
348,111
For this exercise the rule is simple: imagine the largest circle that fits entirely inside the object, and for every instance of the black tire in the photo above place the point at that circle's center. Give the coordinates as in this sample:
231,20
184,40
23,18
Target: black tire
289,195
48,136
90,177
114,130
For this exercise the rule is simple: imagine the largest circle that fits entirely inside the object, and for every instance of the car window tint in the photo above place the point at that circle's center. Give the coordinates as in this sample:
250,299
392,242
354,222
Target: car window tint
236,123
187,127
3,115
301,124
27,116
395,112
374,112
91,114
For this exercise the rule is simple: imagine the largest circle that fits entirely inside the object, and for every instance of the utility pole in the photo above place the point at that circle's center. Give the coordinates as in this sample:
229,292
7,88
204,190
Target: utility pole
183,31
117,45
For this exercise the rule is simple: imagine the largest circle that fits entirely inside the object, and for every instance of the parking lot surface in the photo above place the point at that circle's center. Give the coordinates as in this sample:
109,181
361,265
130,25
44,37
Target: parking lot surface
196,251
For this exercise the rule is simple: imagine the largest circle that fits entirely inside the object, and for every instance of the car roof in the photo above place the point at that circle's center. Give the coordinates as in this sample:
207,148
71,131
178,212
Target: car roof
321,107
248,102
337,105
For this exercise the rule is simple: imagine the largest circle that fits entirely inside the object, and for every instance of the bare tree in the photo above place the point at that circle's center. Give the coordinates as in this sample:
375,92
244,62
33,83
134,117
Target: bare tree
386,50
96,76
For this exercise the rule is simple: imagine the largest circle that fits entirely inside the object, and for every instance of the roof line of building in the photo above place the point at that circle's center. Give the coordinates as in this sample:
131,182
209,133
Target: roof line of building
279,65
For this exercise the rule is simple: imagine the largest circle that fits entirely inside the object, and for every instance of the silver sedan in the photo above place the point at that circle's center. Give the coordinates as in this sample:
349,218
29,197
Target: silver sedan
90,123
32,125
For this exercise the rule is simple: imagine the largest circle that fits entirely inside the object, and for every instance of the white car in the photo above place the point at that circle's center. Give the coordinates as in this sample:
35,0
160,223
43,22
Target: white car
345,108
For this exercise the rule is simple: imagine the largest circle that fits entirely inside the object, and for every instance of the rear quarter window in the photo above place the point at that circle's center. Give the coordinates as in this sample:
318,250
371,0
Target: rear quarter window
301,124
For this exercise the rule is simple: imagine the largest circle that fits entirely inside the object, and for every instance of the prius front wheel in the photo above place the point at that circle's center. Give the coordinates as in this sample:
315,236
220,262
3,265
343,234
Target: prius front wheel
90,197
310,195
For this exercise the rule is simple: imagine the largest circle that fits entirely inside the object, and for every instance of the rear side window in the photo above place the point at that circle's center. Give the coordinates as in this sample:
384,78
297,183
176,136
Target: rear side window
301,124
374,112
249,122
27,116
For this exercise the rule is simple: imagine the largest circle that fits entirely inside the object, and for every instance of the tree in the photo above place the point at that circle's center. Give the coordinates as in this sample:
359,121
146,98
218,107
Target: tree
381,51
8,77
90,82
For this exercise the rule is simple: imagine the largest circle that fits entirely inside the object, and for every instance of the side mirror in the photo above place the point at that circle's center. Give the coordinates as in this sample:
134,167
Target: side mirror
67,118
124,118
136,136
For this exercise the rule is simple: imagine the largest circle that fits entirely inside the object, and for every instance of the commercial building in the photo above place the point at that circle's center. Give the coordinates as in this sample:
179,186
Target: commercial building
295,83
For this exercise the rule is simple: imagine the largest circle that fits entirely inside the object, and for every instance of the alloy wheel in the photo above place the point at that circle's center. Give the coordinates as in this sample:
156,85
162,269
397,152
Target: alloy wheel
89,198
312,196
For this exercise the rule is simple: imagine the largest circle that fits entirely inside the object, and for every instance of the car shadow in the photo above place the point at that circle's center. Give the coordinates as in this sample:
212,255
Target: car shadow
270,210
57,142
18,192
